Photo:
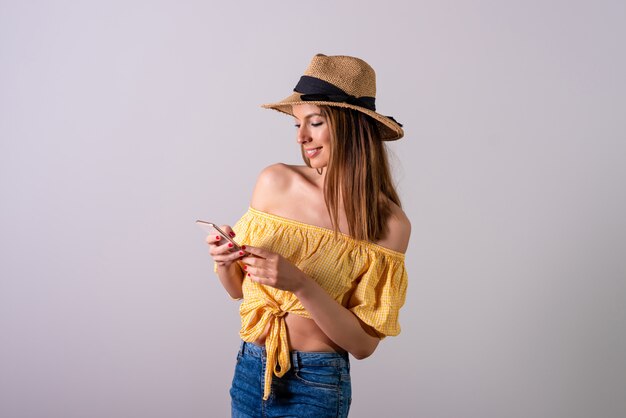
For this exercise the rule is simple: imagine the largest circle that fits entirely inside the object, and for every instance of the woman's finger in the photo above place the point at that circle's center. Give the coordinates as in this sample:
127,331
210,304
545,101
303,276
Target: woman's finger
256,277
252,260
213,239
258,271
228,256
228,230
226,248
259,252
216,250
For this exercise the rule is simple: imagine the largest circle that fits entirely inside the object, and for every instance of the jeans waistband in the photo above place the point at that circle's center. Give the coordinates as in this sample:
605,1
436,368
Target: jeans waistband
301,358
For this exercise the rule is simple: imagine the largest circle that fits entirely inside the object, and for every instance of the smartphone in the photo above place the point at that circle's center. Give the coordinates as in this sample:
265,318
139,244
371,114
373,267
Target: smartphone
211,228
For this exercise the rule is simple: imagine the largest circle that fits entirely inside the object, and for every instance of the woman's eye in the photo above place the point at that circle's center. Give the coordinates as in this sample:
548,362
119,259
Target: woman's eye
316,123
296,125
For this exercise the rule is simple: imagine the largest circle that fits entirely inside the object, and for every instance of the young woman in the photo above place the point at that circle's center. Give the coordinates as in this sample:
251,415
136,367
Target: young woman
322,271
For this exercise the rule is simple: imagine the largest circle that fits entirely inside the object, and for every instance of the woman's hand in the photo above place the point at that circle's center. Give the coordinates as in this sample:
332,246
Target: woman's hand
221,250
271,269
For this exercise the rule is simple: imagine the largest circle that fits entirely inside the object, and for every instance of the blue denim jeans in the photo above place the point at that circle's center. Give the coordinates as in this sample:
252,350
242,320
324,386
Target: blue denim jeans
317,385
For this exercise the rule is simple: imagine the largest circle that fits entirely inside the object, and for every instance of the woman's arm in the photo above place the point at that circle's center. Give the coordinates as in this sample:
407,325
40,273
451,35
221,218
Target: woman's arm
270,185
231,278
228,271
336,321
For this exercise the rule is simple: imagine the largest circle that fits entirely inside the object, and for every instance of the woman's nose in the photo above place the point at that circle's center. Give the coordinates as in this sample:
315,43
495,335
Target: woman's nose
303,135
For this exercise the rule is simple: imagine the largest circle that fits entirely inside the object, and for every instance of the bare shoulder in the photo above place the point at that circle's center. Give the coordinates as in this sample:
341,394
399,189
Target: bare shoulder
398,230
272,183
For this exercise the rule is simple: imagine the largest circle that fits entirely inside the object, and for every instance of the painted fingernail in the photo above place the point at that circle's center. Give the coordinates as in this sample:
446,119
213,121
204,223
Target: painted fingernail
232,234
249,275
243,247
217,237
240,252
230,245
245,267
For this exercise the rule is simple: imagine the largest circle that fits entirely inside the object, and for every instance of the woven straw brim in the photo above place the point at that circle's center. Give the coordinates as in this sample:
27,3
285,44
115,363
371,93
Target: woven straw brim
389,130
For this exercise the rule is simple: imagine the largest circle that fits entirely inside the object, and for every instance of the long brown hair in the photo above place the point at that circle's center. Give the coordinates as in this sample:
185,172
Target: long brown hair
357,174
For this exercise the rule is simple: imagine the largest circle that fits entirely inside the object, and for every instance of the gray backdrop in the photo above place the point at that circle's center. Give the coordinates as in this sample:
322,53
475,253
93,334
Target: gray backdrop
121,122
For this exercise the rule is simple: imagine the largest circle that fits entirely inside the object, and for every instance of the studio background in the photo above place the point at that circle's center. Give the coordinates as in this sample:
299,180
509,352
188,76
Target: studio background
121,122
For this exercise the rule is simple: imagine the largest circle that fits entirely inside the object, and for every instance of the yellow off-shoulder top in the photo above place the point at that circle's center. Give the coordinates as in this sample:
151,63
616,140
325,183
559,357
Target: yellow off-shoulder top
368,279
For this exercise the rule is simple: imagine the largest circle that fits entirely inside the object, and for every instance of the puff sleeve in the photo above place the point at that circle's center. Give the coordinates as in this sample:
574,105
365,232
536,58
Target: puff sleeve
380,293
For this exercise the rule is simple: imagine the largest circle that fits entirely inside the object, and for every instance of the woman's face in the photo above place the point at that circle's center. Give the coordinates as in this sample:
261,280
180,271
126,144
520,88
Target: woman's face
313,134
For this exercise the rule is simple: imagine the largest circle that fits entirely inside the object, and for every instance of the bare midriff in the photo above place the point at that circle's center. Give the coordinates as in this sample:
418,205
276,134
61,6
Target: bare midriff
304,335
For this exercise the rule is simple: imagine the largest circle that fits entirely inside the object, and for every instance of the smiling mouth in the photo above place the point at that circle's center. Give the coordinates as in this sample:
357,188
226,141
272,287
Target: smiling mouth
312,152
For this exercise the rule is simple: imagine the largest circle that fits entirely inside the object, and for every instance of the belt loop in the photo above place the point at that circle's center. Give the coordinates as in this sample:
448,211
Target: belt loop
241,346
295,361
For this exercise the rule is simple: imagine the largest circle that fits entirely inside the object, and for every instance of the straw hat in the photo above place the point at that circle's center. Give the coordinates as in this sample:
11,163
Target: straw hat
340,81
